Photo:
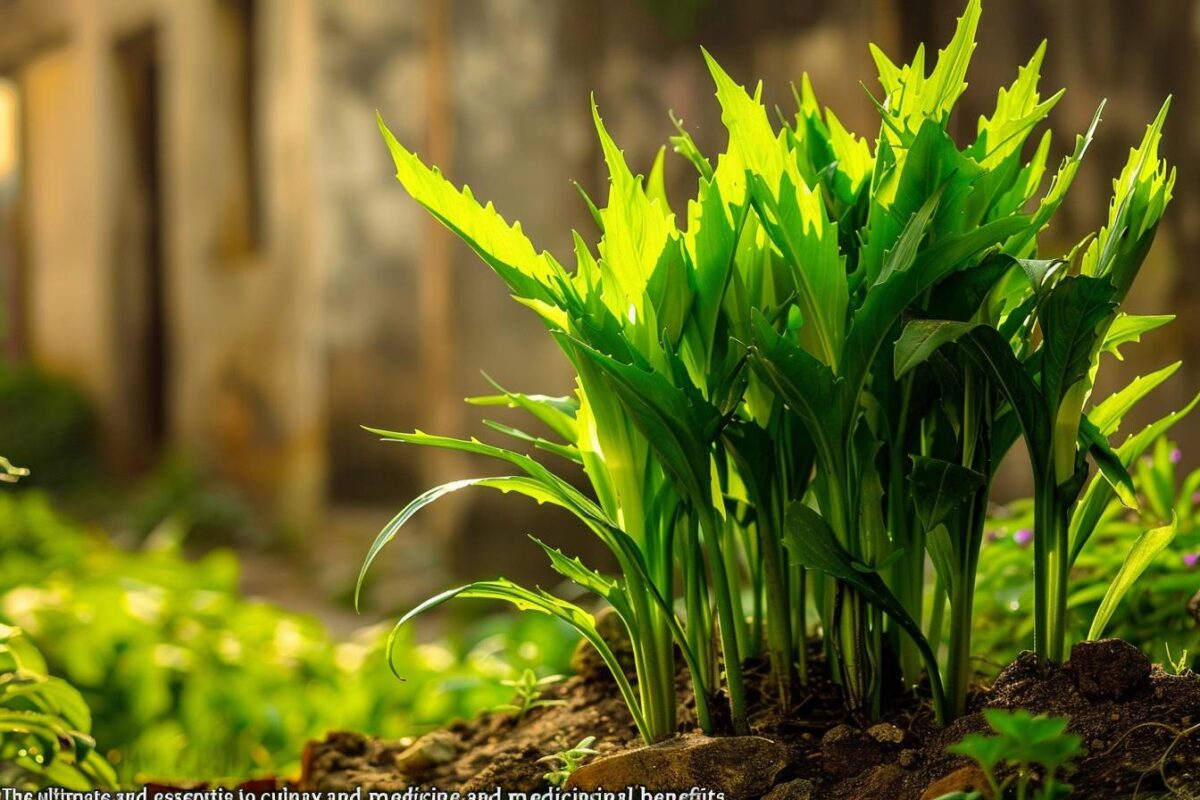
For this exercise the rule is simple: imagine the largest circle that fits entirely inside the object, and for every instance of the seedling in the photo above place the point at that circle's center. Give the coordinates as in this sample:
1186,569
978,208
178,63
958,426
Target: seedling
1179,665
1026,755
529,688
567,761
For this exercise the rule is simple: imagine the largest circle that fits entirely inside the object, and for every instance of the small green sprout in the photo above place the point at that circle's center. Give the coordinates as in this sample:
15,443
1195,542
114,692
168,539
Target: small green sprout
1027,746
529,688
568,761
1179,665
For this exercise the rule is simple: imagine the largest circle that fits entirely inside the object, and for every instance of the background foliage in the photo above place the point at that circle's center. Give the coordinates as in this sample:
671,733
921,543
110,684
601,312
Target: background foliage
186,678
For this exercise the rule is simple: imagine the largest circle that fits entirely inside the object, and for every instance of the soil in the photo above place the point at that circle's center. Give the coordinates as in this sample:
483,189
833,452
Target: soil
1141,727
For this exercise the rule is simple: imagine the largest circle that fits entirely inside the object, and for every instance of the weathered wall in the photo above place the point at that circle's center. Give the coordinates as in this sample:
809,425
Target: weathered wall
242,331
282,344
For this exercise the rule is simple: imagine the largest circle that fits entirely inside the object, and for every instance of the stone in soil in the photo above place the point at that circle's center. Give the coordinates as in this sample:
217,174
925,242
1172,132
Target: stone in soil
740,767
1109,669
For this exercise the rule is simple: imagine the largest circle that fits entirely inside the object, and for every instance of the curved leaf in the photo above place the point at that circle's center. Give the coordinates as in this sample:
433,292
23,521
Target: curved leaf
1143,551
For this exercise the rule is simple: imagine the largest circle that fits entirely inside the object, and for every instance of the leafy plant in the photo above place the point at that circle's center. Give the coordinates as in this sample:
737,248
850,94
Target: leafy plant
1024,758
529,688
1150,612
804,387
567,761
44,725
185,677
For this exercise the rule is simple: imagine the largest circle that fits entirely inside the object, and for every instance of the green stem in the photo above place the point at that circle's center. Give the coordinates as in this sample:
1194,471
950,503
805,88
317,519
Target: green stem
799,585
711,534
779,629
1043,534
1060,561
908,574
937,615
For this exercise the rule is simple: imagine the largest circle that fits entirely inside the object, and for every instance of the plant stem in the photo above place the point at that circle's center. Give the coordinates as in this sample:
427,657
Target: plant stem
779,630
1043,534
799,587
711,534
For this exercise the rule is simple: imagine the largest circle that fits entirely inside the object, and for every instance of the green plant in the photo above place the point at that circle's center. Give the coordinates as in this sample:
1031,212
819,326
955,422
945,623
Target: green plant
1151,611
44,725
806,388
186,678
529,688
1178,665
1032,750
567,761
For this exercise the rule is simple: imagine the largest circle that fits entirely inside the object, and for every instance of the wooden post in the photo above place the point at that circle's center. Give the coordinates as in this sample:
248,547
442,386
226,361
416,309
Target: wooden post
435,278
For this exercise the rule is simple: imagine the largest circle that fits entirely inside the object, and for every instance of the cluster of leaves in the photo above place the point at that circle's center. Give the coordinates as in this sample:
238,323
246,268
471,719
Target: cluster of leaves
44,725
803,386
184,677
528,690
1154,615
565,762
1025,757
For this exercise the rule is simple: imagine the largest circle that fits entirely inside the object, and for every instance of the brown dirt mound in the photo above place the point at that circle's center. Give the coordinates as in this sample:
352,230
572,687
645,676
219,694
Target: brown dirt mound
1140,724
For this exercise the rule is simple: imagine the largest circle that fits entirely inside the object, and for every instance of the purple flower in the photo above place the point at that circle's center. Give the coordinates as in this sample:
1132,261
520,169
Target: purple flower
1023,537
1191,560
1176,455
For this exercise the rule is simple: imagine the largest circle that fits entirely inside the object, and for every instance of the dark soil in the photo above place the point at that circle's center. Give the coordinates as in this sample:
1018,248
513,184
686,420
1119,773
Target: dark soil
1141,727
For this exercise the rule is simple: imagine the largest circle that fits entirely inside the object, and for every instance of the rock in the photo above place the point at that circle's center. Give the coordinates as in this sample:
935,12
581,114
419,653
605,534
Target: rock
882,781
799,789
886,733
742,767
909,758
965,779
431,750
847,751
1108,669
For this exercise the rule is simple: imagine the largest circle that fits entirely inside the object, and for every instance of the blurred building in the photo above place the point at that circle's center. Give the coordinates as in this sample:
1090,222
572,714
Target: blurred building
199,224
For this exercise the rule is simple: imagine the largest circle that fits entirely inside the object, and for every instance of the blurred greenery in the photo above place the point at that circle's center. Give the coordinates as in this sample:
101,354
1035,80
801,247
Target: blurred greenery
1154,615
187,679
44,725
47,426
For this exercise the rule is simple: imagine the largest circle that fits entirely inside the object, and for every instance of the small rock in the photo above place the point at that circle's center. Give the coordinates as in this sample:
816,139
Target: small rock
799,789
847,751
965,779
886,733
742,767
882,781
432,749
909,758
1108,669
